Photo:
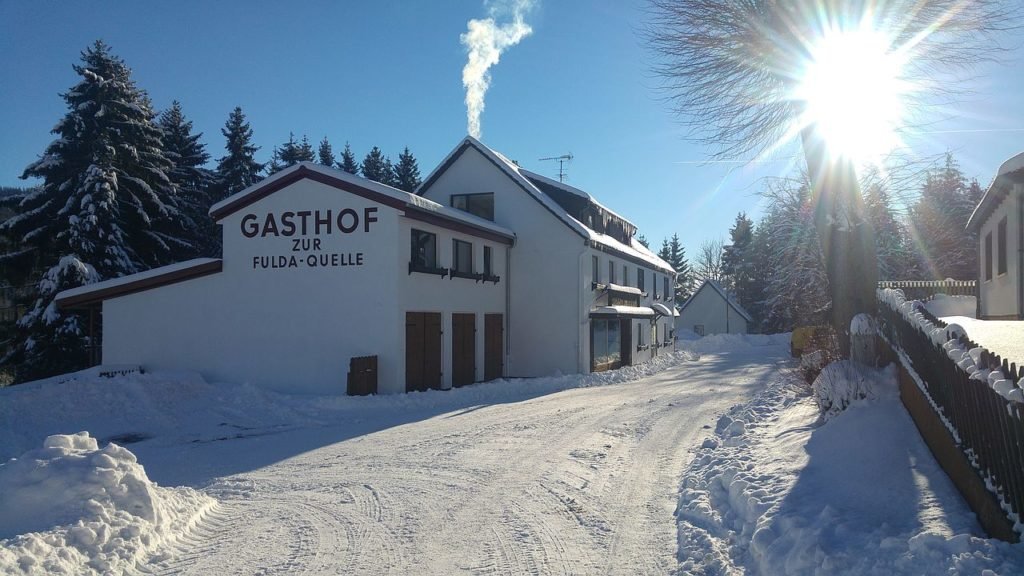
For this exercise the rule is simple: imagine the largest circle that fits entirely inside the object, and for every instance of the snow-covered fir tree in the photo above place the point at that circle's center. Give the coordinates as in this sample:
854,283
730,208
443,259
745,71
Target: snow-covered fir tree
106,208
376,167
896,258
348,161
677,259
738,263
290,153
407,172
238,169
325,154
643,241
939,222
193,180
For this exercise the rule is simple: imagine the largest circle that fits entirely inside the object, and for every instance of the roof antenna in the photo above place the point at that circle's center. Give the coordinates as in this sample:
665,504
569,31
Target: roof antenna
562,160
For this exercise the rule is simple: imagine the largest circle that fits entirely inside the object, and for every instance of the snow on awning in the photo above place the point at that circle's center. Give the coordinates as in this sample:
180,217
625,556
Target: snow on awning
623,289
662,310
623,312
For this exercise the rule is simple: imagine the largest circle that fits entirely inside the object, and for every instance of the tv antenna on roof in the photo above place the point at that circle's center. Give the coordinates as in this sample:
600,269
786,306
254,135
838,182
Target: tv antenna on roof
562,160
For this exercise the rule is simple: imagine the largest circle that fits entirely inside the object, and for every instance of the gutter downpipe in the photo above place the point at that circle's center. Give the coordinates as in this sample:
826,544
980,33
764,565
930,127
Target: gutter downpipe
1020,252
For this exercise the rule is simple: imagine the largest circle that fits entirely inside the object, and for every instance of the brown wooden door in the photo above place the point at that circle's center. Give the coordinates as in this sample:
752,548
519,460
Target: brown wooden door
494,346
422,351
463,349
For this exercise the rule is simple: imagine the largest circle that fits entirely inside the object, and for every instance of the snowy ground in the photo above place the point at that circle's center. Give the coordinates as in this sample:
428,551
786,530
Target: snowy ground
631,472
1004,337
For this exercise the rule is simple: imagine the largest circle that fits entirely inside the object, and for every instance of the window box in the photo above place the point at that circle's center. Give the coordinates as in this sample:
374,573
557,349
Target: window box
442,272
466,275
490,278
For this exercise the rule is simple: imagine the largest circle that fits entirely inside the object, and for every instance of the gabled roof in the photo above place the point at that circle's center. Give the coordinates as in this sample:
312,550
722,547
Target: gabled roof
721,292
414,206
1010,172
522,178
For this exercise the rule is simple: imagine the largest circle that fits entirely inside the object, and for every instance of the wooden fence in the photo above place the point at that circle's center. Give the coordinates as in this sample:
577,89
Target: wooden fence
925,289
990,427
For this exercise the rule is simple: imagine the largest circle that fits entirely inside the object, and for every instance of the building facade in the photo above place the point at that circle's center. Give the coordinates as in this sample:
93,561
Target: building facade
710,311
999,222
473,279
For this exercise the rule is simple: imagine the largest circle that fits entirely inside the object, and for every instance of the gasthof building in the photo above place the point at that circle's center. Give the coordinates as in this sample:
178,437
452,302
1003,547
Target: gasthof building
488,271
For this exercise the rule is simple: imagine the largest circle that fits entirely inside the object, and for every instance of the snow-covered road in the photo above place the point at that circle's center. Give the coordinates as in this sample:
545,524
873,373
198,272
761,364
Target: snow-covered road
583,481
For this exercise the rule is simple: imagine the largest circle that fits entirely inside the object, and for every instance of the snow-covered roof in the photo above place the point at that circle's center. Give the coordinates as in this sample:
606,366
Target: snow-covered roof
721,292
623,311
522,177
99,291
357,185
664,310
1010,172
573,190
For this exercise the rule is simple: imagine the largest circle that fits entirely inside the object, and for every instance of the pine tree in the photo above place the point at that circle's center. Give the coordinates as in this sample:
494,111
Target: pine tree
665,253
677,259
896,260
376,167
407,172
238,169
193,181
738,263
106,208
643,241
348,161
290,153
325,155
939,221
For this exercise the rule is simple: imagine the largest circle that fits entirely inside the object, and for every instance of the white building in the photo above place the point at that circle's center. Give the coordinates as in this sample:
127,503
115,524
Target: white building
489,272
710,311
999,222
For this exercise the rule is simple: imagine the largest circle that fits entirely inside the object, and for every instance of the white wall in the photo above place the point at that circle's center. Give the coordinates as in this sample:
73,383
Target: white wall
709,309
544,325
291,329
419,292
999,295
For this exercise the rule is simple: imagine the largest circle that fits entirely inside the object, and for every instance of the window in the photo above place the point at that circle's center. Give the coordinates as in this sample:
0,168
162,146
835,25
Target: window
481,205
654,283
462,257
988,256
665,286
424,249
596,270
639,336
488,267
698,329
607,344
1001,247
640,279
611,272
625,275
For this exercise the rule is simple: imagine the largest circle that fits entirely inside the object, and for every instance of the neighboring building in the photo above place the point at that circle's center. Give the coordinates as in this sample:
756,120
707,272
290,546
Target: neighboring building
710,311
584,294
999,222
496,278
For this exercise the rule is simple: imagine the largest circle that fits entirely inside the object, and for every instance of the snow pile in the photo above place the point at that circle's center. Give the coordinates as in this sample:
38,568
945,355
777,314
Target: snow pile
842,384
717,343
777,490
1005,337
944,305
73,508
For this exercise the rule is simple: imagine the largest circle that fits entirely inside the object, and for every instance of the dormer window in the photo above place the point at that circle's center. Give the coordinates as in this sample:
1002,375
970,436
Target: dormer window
481,205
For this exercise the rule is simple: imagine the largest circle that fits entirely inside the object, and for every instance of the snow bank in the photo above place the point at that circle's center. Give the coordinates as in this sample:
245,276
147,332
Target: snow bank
777,490
71,507
842,384
718,343
943,305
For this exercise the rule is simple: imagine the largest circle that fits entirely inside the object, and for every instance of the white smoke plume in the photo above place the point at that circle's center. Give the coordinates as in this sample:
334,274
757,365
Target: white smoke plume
485,41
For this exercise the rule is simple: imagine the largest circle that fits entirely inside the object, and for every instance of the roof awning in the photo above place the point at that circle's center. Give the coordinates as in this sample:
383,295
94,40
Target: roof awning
663,310
622,312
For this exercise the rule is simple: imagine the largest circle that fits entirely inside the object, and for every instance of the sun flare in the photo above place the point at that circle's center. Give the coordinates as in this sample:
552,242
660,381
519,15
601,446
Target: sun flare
853,89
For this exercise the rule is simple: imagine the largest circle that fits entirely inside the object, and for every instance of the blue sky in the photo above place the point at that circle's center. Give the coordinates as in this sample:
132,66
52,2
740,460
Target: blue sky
388,73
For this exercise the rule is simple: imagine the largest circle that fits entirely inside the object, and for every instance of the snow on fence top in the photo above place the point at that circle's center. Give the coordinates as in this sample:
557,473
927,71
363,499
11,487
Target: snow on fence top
971,358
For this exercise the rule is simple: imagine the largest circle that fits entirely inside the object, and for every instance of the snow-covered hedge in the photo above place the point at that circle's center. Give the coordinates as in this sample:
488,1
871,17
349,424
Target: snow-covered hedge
840,385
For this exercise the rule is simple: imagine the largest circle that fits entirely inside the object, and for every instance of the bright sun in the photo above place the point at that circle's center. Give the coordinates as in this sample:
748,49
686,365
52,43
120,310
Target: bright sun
852,89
